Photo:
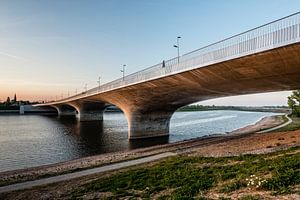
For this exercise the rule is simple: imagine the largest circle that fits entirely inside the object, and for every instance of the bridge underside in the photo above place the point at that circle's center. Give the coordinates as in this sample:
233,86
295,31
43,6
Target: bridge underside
84,110
148,106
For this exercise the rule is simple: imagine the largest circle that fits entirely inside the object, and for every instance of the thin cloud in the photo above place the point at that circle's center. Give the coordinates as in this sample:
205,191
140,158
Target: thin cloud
10,55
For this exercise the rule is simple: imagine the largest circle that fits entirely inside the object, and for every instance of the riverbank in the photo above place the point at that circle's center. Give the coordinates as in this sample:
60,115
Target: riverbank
103,159
274,109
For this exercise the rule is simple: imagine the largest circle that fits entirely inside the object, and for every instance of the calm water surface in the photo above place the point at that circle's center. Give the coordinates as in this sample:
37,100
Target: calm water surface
33,140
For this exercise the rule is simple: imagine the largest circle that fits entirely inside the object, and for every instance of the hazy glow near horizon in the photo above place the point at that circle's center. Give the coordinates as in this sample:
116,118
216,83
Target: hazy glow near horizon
49,49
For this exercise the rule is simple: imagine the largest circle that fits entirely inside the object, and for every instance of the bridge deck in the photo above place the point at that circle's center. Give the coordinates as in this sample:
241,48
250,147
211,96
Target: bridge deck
273,35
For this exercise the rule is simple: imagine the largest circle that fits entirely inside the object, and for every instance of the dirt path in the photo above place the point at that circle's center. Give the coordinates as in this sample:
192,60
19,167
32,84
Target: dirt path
278,127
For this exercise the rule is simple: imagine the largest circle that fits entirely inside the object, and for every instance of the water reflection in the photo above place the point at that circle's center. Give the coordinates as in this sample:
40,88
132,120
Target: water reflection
147,142
95,137
98,137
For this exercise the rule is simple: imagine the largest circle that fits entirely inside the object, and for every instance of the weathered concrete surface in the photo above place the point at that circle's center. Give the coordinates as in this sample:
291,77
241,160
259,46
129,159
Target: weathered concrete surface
149,124
148,106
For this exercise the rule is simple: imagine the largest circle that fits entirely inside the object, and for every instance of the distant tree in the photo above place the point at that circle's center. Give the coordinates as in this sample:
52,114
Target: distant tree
294,102
8,101
15,98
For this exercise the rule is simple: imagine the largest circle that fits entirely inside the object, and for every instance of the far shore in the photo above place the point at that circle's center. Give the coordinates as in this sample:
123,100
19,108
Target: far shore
206,146
189,108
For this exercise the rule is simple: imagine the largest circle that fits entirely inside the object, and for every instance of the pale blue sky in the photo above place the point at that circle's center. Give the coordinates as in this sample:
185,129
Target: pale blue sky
50,47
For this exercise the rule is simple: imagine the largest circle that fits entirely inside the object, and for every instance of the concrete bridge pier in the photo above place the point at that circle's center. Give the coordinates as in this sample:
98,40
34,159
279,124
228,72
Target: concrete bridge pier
89,110
147,125
91,115
65,111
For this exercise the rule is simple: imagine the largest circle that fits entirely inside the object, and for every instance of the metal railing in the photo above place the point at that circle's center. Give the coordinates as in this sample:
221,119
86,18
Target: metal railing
275,34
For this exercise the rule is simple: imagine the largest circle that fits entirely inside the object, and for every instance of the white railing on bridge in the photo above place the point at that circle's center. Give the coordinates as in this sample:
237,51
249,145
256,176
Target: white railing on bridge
272,35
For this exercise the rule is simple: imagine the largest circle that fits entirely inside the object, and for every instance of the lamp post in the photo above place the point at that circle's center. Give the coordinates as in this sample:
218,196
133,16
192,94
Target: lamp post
85,87
99,83
177,46
123,71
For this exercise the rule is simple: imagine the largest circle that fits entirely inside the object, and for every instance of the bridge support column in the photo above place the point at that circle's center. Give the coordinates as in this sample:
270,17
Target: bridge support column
89,110
96,115
146,125
65,111
67,114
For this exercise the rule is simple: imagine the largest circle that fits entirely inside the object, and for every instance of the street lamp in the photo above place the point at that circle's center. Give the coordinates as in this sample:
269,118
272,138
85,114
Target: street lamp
85,87
177,46
99,83
123,71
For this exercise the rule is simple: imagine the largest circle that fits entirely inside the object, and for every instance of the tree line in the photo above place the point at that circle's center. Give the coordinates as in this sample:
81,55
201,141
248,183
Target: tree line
294,103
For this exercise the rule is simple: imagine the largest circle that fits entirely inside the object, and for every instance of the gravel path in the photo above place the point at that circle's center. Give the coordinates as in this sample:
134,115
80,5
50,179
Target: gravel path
278,127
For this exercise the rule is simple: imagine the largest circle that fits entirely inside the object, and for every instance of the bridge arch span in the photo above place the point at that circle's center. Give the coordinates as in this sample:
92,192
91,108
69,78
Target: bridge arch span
146,115
65,110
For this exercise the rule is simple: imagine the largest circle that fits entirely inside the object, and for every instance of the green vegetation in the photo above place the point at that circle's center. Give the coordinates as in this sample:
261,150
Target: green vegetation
184,177
14,104
294,103
4,107
196,108
282,118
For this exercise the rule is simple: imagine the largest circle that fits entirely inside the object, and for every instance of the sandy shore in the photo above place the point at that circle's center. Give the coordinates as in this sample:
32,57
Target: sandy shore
237,142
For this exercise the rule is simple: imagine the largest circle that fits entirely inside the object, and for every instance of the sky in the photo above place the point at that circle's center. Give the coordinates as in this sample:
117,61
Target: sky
50,49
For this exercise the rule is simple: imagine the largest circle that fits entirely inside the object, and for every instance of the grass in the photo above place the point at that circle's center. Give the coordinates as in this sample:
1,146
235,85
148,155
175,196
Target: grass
281,117
227,188
193,177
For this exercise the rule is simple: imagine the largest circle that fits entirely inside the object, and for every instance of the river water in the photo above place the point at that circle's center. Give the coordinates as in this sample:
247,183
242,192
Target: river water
33,140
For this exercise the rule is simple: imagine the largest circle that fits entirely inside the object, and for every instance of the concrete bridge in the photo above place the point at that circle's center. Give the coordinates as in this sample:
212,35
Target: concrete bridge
263,59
